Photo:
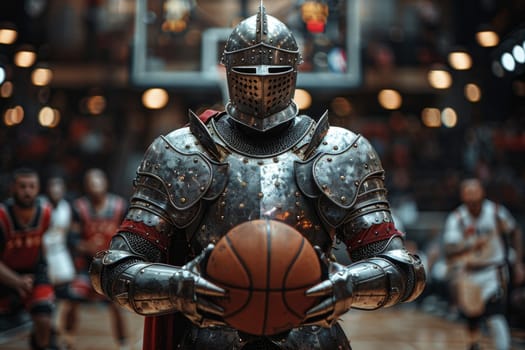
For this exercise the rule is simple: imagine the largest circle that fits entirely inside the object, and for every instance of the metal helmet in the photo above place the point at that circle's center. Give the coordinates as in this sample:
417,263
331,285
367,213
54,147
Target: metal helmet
261,58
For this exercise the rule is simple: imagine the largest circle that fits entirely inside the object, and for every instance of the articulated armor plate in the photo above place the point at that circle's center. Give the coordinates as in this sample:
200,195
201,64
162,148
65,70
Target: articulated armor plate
191,189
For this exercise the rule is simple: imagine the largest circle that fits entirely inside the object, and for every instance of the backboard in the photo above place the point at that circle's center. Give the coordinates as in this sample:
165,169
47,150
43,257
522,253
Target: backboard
191,57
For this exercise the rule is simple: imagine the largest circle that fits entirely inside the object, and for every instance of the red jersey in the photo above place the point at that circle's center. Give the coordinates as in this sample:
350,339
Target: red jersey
98,227
21,246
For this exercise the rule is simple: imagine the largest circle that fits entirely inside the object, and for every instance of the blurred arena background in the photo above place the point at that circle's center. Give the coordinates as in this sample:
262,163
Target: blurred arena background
437,86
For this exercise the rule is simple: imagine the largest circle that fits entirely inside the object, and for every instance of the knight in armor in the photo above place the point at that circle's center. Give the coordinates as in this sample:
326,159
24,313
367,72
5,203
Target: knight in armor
258,159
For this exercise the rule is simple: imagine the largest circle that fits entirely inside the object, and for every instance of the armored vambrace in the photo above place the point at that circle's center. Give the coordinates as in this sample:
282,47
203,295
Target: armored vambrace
154,288
385,280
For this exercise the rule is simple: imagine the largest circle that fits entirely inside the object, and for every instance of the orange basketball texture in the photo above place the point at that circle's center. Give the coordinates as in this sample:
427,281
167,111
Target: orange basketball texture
266,267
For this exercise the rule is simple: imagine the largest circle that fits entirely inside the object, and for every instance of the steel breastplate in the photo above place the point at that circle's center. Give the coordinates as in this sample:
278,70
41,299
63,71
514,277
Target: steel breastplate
216,177
261,184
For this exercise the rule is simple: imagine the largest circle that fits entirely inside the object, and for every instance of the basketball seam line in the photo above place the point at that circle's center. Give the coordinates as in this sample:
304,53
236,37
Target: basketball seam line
290,266
245,267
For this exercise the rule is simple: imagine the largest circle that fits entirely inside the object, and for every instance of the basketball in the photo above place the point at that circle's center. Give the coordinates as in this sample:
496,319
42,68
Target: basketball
266,266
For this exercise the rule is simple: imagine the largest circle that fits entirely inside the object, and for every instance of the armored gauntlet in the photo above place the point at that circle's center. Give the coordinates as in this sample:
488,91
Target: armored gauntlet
385,280
155,289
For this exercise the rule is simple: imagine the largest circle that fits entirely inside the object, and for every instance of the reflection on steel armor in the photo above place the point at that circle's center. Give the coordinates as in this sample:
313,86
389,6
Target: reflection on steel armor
258,159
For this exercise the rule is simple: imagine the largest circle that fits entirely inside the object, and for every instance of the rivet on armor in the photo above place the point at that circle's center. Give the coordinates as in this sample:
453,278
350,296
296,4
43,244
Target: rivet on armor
244,184
260,195
222,217
223,204
376,233
195,160
343,199
355,145
241,205
297,204
329,159
202,188
277,184
147,233
297,194
203,228
169,185
342,177
181,178
336,148
356,183
260,162
298,218
183,200
157,166
157,241
324,187
366,166
325,143
245,160
360,241
275,160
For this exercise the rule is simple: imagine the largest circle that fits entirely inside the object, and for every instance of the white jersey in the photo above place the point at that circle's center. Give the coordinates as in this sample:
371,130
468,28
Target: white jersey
59,261
463,229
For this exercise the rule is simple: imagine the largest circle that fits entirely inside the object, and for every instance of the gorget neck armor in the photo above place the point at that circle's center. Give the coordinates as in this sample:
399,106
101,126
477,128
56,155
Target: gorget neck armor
258,144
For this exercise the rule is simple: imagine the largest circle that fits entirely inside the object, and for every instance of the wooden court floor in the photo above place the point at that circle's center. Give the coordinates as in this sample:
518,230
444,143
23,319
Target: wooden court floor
397,328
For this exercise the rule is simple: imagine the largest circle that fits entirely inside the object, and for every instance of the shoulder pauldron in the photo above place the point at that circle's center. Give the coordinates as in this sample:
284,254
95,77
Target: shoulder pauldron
186,178
337,172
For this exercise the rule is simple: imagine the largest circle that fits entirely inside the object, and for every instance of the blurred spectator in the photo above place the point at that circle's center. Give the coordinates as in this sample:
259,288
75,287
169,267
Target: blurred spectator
96,216
475,247
24,218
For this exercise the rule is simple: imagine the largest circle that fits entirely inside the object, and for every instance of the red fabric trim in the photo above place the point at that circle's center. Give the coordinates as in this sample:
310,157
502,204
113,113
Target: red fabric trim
207,115
373,234
158,333
148,232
